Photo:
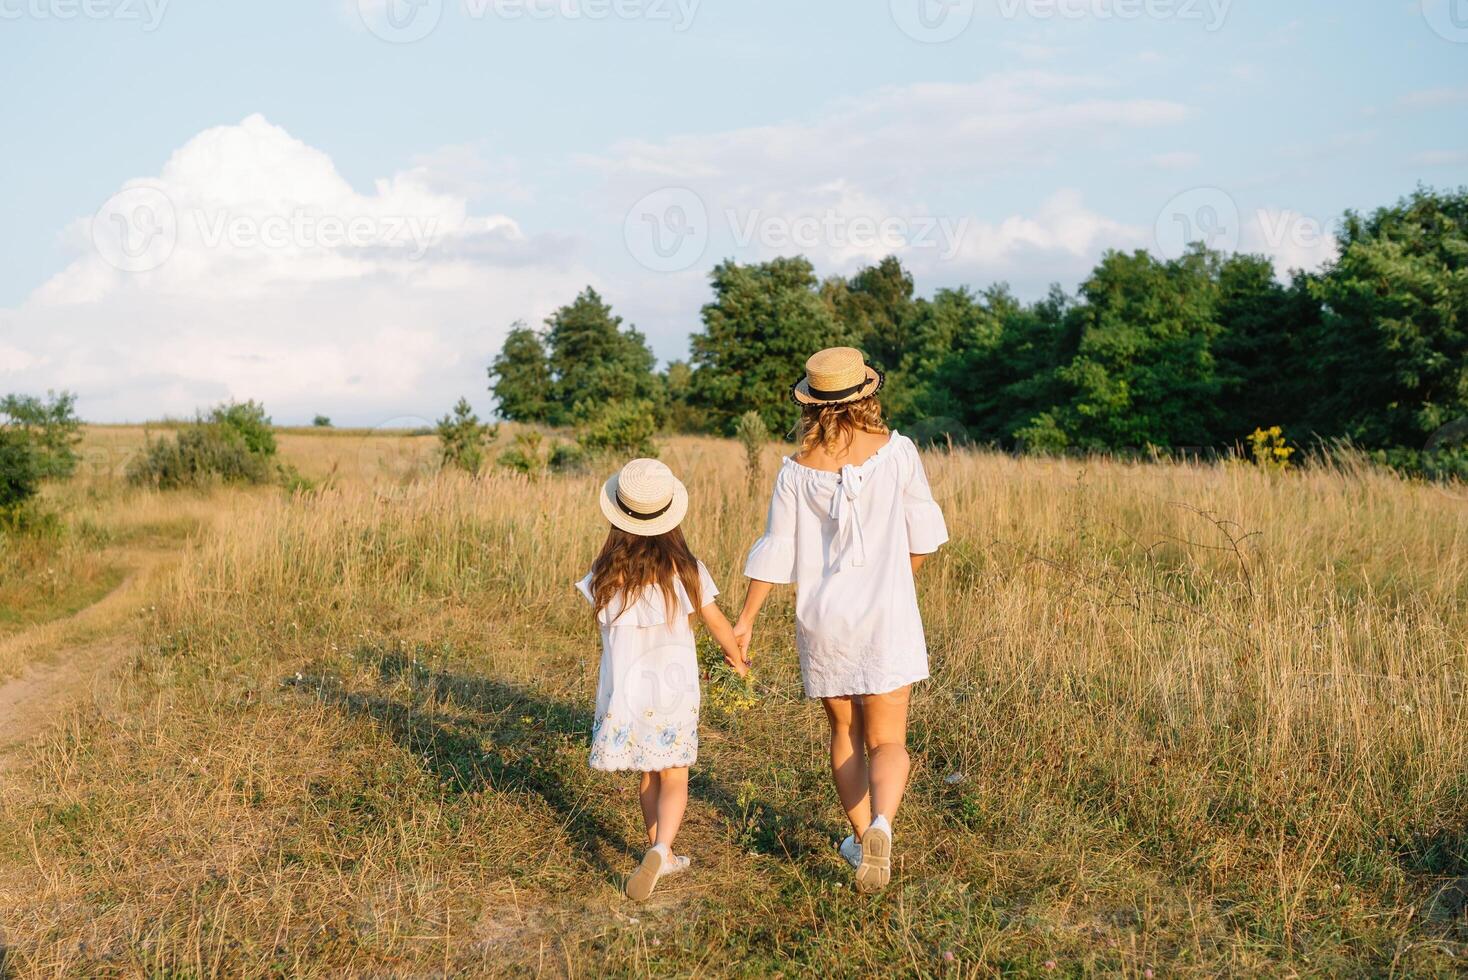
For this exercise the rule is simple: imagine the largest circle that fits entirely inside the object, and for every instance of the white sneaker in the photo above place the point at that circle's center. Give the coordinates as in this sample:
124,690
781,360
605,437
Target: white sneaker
677,866
642,881
876,858
850,849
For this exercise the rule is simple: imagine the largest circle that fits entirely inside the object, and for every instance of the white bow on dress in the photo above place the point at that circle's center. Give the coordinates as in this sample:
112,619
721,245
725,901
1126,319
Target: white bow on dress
848,519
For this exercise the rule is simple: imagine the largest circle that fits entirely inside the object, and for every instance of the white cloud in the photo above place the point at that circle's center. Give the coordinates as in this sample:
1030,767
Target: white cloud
877,161
288,285
1290,239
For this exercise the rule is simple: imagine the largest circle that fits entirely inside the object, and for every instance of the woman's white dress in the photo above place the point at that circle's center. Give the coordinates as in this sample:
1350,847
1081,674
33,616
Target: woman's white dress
647,693
844,540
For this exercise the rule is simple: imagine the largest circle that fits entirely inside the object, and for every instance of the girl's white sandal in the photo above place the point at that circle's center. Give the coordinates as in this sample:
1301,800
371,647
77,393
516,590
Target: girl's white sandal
642,881
875,869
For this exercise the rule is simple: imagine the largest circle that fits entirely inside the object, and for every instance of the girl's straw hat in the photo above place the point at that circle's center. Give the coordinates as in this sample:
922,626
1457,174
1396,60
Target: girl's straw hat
644,498
835,376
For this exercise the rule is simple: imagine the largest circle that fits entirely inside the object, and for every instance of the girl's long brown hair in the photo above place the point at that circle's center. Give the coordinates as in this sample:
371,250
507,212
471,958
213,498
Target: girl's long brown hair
629,563
832,426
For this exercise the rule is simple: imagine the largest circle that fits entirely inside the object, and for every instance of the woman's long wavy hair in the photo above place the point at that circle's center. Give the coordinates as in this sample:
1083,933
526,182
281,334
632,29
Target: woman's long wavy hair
629,563
832,426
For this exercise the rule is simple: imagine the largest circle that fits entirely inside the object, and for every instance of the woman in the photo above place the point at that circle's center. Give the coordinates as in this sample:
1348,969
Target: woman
850,522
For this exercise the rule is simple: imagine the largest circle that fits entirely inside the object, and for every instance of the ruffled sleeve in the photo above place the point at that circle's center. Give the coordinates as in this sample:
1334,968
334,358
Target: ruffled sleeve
926,530
708,591
772,559
584,587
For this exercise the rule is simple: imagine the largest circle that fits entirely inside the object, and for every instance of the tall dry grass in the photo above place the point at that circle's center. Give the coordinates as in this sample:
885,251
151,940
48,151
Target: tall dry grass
1206,719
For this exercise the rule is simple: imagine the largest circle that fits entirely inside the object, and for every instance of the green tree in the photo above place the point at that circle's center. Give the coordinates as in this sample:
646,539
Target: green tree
594,361
876,307
1144,371
50,426
462,438
1391,361
520,377
763,323
1001,366
1266,332
684,415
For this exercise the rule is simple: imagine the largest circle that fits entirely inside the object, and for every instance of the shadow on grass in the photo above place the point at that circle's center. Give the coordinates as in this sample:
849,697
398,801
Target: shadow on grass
476,733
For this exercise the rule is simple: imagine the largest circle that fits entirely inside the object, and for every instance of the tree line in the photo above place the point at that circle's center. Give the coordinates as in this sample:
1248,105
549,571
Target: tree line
1197,351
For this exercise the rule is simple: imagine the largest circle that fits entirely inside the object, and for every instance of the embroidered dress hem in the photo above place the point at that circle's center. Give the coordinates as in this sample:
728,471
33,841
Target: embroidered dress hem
845,689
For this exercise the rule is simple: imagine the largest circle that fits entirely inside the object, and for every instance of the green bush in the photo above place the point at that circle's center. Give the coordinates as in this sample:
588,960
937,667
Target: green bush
249,420
569,457
49,426
20,472
625,427
526,455
321,422
753,435
232,444
197,455
462,438
1441,464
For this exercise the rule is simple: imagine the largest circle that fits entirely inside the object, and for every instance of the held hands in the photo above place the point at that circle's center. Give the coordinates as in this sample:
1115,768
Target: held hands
742,633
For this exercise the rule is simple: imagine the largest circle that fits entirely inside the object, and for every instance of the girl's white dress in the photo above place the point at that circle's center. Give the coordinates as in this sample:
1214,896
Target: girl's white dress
844,540
647,693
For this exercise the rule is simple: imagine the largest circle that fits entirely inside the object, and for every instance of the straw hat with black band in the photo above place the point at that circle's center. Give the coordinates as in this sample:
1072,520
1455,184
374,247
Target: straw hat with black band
644,498
835,376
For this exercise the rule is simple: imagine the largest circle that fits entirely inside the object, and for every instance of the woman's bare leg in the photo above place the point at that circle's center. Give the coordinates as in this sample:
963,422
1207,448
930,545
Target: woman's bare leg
849,761
647,792
884,718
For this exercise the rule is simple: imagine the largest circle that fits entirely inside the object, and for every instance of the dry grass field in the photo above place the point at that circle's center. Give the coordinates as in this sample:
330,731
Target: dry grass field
1184,721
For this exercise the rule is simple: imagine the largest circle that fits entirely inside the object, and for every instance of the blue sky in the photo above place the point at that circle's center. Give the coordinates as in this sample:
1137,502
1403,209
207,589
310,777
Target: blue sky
503,161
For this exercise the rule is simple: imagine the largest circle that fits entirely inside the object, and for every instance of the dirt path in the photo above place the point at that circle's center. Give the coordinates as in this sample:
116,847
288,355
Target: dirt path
67,659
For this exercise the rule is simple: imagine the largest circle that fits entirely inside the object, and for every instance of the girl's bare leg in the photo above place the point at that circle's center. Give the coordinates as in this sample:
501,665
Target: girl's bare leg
849,760
672,801
648,794
884,718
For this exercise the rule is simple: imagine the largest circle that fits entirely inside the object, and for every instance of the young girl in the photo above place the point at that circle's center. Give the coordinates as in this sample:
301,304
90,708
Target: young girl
643,587
850,521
